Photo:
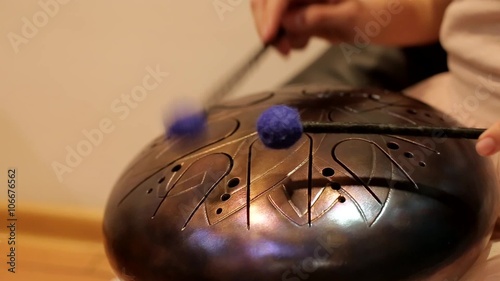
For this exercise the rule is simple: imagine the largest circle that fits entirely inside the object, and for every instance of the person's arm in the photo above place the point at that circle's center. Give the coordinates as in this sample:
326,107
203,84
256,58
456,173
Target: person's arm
489,141
386,22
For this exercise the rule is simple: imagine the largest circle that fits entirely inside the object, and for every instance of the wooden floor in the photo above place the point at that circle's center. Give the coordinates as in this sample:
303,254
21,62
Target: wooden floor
41,258
57,245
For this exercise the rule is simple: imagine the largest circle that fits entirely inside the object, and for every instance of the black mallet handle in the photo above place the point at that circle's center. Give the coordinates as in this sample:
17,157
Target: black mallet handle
390,129
227,85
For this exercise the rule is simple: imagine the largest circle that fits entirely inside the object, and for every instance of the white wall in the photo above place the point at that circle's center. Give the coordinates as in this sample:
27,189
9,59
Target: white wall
63,75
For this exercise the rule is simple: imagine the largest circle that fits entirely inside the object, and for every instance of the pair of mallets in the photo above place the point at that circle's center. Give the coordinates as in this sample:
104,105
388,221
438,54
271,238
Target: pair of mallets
280,127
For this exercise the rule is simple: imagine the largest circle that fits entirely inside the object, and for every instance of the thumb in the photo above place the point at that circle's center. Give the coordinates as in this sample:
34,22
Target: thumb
331,21
489,141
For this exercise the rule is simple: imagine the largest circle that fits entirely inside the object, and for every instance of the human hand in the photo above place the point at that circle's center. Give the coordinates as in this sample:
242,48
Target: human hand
332,20
359,21
489,141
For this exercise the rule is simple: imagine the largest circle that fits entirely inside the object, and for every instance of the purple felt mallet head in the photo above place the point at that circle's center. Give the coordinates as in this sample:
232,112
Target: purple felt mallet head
279,127
188,125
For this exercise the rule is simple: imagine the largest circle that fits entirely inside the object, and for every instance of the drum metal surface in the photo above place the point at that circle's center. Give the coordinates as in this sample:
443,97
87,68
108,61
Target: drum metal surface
221,206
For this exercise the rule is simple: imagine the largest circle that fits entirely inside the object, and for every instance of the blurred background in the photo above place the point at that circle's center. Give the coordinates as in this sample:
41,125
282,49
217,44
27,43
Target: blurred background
70,67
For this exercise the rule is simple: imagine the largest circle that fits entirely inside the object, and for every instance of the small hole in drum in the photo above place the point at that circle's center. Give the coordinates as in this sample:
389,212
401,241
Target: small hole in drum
408,154
335,185
341,199
225,197
149,191
412,111
427,115
162,179
392,145
422,164
233,182
176,168
219,211
328,172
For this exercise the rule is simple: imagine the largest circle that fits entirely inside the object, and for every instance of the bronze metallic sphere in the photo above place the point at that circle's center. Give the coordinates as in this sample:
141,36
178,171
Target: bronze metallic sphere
222,207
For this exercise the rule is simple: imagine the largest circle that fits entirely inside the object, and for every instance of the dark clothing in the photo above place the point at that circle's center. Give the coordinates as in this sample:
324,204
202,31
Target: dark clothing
375,66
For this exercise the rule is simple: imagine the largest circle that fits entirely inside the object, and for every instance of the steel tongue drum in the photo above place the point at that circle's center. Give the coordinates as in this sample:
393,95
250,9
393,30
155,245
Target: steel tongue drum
221,206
